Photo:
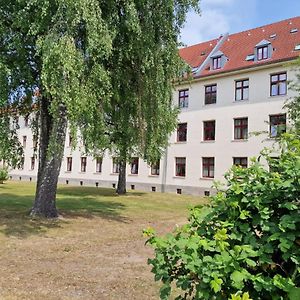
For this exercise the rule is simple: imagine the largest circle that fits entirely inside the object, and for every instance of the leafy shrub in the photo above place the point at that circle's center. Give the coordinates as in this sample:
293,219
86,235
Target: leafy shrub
245,244
3,175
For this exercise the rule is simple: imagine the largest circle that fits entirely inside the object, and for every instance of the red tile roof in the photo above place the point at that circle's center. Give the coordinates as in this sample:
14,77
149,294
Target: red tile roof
237,46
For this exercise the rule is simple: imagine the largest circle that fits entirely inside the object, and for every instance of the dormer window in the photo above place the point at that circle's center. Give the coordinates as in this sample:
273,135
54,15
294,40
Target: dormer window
217,63
262,53
263,50
218,60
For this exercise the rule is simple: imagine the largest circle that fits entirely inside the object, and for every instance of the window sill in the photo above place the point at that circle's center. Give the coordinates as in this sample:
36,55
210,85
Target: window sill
207,178
97,173
241,101
208,142
277,96
68,172
133,174
179,177
153,175
183,142
81,172
208,104
114,174
239,141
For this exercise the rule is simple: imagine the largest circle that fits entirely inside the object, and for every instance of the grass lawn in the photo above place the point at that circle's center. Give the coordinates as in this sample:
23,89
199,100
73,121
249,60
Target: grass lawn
95,250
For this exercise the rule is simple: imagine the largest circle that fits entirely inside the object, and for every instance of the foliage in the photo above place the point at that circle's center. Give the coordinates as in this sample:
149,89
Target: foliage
293,104
246,243
3,174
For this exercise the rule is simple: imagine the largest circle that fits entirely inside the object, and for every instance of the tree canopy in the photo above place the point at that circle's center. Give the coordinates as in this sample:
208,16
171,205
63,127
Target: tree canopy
104,68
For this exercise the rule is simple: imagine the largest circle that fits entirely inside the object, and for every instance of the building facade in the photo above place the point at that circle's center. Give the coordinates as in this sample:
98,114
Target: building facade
239,86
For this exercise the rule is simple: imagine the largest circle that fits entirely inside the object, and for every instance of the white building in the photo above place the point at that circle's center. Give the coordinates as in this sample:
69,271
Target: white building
239,86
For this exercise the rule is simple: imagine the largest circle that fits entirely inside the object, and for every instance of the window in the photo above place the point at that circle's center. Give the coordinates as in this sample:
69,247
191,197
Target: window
183,98
180,166
210,94
182,132
241,90
277,125
155,168
262,53
216,63
209,130
32,163
240,161
241,129
134,166
26,121
70,141
83,164
208,167
98,164
24,141
278,84
116,165
34,141
69,164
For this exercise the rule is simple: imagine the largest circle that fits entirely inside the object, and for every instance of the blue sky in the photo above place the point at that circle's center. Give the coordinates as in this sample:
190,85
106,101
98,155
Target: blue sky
220,16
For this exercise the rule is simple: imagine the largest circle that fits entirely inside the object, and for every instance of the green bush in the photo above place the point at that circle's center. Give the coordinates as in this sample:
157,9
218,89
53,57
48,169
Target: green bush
245,244
3,175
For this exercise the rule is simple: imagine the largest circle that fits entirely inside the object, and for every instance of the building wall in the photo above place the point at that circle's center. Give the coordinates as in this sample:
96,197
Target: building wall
257,109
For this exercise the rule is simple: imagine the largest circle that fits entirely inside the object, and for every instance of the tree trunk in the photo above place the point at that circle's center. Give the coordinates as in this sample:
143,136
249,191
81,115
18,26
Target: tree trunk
121,189
51,149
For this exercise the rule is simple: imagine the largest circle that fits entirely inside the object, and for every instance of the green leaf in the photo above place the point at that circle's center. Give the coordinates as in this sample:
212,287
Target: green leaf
294,294
165,291
216,284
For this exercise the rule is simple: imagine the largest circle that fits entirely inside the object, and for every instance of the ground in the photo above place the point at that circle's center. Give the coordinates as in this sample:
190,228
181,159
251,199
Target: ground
95,250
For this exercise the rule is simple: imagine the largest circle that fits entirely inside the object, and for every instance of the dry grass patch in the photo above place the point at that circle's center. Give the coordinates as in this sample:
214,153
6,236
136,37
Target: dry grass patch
95,250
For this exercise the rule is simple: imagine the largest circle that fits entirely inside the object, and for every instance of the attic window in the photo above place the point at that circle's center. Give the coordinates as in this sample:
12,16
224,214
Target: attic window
216,63
262,53
294,30
203,53
273,36
218,60
263,50
297,47
250,57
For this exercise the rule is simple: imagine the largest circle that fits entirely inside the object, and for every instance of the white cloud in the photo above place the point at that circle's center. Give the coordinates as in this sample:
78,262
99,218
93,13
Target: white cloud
208,26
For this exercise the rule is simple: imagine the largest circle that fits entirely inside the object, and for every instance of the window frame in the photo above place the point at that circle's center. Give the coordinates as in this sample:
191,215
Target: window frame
241,162
24,141
241,135
83,164
115,165
217,63
209,128
32,163
155,168
69,164
134,166
277,117
208,163
183,98
210,95
242,88
98,164
180,166
181,132
277,84
264,53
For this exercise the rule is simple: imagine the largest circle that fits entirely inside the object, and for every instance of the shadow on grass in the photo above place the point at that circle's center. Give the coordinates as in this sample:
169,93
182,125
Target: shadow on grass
72,203
93,191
